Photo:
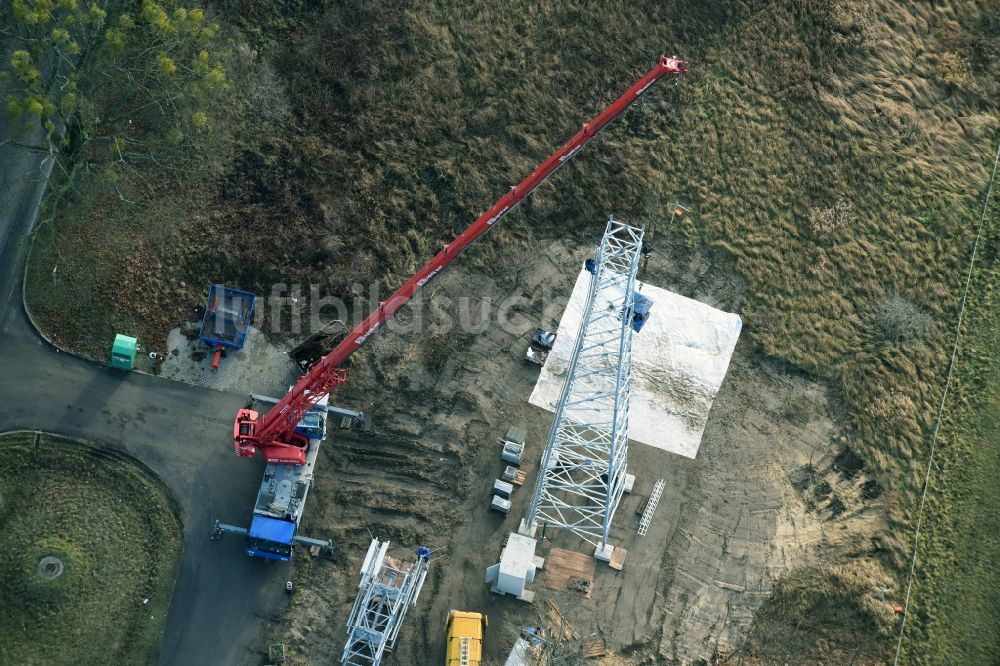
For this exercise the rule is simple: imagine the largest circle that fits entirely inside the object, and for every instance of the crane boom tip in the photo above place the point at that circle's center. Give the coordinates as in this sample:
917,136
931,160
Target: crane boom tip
673,64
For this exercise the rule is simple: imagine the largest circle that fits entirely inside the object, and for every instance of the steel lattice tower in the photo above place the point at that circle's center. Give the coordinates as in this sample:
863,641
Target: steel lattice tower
387,590
582,474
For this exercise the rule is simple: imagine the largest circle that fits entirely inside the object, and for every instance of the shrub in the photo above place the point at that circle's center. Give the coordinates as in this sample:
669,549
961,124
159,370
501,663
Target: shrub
896,319
953,70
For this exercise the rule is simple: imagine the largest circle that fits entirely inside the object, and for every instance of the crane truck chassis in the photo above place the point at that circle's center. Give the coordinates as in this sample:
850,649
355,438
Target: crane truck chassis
277,433
281,498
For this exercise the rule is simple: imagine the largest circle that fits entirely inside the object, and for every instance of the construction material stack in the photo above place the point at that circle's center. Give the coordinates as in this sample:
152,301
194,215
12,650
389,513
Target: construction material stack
528,648
513,445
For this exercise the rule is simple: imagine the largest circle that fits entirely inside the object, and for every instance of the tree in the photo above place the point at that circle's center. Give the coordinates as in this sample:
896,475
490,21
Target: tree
119,82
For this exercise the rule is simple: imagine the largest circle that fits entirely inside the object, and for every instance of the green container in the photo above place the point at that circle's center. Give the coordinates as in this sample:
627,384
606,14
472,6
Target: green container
123,352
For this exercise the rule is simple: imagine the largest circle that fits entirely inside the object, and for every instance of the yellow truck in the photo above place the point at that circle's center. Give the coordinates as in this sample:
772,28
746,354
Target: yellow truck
465,638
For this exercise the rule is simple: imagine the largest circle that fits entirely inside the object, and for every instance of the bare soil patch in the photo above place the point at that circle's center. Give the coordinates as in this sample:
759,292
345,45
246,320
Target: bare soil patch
747,511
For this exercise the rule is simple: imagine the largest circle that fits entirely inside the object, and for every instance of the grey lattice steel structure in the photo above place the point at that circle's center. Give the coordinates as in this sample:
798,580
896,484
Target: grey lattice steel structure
582,475
387,590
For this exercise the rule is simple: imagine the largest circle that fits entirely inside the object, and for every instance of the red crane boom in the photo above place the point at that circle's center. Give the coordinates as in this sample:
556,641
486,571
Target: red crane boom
274,433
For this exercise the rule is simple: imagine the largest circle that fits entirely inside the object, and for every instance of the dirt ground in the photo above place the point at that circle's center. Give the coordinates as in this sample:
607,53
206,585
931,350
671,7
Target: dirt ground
769,490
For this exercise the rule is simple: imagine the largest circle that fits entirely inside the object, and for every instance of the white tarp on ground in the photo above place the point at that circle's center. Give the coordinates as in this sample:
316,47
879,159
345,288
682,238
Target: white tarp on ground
679,360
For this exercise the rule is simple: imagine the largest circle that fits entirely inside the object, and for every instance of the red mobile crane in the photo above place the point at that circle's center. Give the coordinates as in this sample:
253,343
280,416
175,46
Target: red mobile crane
274,433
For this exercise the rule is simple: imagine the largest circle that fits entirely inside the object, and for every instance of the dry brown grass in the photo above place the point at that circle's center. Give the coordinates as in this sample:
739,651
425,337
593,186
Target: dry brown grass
829,616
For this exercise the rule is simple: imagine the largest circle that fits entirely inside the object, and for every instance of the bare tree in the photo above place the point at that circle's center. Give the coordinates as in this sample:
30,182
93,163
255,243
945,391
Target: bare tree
120,83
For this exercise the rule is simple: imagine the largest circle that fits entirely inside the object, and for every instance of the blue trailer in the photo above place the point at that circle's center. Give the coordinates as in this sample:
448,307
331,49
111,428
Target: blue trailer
228,315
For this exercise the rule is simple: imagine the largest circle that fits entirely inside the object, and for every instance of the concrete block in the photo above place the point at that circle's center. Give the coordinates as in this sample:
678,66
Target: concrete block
604,553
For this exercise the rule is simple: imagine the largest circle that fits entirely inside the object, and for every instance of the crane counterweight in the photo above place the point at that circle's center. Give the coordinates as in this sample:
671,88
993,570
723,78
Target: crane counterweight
274,432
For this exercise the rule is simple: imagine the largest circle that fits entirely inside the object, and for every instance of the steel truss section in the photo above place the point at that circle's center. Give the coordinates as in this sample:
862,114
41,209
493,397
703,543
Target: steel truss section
647,513
582,475
388,589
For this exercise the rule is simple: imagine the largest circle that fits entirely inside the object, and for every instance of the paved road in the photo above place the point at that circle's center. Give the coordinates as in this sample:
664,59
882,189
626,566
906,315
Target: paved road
222,598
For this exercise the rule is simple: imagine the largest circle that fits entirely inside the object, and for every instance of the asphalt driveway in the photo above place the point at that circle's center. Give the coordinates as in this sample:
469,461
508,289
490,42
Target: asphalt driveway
222,599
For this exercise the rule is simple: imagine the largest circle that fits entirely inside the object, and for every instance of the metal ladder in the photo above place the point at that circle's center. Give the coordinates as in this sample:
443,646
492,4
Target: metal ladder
647,514
463,652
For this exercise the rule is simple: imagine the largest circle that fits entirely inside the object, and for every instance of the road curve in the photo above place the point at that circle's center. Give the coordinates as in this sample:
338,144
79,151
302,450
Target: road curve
222,599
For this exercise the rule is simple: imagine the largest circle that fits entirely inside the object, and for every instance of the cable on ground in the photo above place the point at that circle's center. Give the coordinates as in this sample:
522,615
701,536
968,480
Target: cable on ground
940,414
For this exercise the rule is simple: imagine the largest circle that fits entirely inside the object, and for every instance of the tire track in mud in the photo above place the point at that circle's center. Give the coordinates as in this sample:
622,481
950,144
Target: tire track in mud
381,483
400,482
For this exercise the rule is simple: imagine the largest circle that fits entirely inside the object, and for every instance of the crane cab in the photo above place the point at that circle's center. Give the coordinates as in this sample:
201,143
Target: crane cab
244,430
276,452
270,538
312,426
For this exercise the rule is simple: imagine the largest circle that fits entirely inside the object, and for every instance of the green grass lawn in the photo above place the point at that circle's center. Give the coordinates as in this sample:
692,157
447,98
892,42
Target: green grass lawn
117,537
955,614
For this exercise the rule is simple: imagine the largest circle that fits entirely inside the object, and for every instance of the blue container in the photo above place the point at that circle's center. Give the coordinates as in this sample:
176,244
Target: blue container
227,317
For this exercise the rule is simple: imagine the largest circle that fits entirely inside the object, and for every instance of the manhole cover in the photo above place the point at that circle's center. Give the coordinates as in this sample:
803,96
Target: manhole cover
50,567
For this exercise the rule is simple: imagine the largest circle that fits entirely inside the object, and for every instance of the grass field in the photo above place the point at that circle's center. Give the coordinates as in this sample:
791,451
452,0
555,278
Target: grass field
836,150
117,537
955,613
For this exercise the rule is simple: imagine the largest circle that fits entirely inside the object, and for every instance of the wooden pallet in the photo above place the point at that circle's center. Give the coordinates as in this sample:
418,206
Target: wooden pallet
566,570
560,625
593,646
517,479
618,559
